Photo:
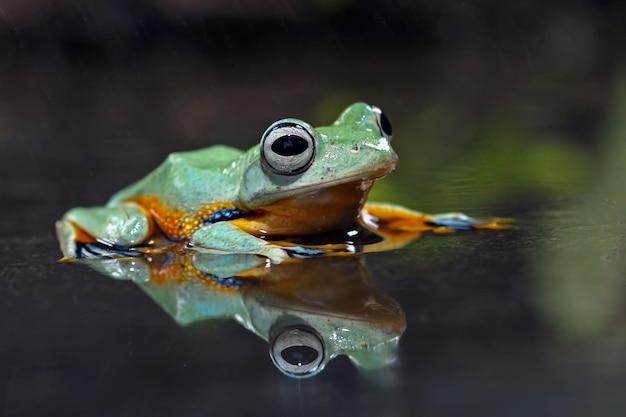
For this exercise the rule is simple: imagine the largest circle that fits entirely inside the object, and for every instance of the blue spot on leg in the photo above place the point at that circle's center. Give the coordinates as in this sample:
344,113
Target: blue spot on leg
226,214
455,221
231,282
99,250
302,252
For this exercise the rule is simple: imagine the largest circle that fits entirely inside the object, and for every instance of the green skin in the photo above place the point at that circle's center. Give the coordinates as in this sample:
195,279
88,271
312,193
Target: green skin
354,148
356,321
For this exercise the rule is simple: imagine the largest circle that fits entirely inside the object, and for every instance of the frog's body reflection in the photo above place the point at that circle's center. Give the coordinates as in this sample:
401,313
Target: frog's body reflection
309,311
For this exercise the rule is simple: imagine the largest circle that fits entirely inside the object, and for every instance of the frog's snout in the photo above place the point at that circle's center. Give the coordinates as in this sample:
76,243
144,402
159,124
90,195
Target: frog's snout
394,161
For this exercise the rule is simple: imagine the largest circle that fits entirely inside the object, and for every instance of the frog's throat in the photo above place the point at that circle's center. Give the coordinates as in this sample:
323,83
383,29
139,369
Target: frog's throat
317,211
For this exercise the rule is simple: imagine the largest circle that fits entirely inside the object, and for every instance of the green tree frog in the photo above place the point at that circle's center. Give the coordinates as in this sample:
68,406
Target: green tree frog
298,181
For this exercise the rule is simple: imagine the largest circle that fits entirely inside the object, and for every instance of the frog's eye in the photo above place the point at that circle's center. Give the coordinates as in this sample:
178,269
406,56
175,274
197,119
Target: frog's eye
287,148
297,351
384,124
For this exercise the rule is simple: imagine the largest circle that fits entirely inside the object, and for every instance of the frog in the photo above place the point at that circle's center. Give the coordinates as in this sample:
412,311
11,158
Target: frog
299,180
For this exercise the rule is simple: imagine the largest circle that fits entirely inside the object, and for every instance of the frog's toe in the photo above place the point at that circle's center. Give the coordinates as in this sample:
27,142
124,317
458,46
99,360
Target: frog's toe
302,252
275,254
456,221
66,235
98,250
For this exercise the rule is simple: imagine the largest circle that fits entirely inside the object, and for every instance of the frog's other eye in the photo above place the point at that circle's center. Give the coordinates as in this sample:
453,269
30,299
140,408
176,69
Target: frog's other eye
297,351
384,124
287,148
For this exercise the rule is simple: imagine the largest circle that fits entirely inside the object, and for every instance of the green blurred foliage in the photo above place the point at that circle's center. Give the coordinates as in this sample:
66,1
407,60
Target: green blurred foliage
480,162
329,106
580,279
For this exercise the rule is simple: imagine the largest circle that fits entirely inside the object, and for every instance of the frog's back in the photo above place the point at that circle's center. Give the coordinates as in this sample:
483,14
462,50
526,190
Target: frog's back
214,158
189,179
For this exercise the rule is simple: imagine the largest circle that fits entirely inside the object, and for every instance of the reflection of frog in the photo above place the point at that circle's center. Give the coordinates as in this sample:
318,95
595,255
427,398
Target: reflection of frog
299,181
309,312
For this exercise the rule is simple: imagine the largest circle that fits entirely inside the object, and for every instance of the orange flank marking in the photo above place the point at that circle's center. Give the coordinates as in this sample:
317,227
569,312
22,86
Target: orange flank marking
174,271
181,268
176,223
306,213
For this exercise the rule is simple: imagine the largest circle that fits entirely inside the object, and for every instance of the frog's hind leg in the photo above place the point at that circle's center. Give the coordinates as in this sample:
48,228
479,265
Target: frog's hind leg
398,225
98,232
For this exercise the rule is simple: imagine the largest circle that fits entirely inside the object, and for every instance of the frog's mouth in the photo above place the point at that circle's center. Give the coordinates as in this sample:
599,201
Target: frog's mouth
313,209
325,184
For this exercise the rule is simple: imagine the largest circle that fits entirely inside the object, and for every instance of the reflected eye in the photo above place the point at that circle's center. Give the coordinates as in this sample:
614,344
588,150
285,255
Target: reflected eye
287,148
297,351
384,124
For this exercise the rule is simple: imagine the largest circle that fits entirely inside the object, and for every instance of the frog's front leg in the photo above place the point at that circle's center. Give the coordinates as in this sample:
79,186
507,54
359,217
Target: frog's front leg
92,232
224,237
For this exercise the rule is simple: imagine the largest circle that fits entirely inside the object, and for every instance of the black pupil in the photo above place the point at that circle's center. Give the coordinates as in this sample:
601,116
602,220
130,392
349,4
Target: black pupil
299,355
385,124
289,145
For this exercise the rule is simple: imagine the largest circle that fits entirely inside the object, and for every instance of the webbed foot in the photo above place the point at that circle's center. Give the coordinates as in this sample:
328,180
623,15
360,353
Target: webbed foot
456,221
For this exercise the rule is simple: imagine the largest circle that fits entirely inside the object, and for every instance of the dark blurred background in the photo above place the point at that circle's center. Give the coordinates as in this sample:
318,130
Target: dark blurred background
114,86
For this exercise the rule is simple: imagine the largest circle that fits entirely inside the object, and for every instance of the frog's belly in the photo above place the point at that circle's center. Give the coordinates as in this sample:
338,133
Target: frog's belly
314,212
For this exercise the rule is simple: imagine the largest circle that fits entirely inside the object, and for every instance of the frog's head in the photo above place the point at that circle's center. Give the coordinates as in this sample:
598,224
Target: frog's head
303,179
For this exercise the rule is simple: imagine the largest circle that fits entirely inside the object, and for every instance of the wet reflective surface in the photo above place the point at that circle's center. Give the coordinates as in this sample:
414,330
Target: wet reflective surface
516,121
309,311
